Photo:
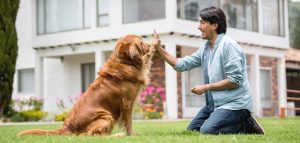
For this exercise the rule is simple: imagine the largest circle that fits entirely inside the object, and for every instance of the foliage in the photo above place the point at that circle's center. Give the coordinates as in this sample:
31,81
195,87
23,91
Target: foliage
153,115
137,111
152,100
152,95
8,51
62,107
33,103
28,115
61,116
294,22
22,109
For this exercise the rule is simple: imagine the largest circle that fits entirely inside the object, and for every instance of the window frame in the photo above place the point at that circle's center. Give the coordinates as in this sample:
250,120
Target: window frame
101,15
45,19
269,69
19,74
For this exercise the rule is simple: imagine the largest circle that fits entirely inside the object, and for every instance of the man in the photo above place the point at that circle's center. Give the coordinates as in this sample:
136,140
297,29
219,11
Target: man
227,91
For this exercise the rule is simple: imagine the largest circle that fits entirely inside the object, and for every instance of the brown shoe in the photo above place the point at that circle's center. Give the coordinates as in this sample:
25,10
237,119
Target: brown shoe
254,126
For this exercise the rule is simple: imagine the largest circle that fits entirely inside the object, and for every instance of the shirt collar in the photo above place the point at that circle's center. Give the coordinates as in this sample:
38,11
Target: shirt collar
218,40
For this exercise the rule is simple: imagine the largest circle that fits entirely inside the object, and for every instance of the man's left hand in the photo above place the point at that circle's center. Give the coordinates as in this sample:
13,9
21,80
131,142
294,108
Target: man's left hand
200,89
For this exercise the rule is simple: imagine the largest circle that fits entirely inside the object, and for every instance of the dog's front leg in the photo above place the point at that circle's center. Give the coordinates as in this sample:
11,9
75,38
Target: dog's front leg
128,123
126,115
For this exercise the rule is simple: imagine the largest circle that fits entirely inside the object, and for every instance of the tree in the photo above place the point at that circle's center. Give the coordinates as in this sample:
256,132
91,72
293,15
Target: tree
296,34
8,51
294,22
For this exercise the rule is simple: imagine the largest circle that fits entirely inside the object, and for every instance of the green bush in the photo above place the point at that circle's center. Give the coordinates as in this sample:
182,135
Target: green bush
152,115
17,117
29,115
61,117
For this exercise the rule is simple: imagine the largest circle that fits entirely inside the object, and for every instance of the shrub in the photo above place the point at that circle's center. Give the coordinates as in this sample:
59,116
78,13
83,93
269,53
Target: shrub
61,116
26,109
152,100
28,115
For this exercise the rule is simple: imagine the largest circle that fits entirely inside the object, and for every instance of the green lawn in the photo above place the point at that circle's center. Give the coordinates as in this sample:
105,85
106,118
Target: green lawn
277,130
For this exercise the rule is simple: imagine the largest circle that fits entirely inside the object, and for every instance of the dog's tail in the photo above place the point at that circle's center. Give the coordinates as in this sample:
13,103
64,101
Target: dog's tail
40,132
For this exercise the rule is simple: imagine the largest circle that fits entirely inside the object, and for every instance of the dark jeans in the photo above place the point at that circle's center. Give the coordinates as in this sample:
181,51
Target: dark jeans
220,121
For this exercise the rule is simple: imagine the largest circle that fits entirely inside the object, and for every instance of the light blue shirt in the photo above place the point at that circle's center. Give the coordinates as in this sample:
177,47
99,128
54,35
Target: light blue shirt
226,62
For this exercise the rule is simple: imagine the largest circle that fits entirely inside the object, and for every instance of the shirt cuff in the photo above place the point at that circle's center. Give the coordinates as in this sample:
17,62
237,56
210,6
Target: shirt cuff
178,65
231,79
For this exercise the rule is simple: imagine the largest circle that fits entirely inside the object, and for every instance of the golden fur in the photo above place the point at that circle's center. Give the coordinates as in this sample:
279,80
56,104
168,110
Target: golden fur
110,98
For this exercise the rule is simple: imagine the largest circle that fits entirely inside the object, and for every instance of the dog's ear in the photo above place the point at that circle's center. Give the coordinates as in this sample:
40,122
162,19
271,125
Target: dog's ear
135,54
116,52
134,51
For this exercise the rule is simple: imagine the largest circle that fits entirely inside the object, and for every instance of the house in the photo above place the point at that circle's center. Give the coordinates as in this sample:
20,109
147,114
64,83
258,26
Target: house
63,43
292,58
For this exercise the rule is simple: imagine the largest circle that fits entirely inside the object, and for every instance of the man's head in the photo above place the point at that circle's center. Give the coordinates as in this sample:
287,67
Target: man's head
212,19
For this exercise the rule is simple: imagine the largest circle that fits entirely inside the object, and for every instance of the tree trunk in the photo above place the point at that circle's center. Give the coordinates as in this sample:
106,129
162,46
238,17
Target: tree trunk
8,51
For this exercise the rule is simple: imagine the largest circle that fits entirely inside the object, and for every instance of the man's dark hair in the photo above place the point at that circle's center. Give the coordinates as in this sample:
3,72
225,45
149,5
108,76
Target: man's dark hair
214,15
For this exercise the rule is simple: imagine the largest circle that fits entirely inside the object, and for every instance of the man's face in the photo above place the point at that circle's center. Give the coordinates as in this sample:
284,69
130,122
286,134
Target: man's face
206,29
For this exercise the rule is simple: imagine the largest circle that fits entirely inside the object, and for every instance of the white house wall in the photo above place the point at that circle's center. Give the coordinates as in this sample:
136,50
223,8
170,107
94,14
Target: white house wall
63,78
26,54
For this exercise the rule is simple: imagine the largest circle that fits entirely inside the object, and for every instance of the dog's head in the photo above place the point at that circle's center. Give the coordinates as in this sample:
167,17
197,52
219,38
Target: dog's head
131,50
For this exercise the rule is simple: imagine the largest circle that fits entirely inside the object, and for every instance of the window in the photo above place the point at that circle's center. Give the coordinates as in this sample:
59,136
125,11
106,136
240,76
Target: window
62,15
87,75
141,10
191,79
189,9
26,81
273,19
102,12
241,14
194,77
266,88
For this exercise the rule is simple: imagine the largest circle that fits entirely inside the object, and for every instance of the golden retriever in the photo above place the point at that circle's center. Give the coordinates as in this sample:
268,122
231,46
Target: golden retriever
110,98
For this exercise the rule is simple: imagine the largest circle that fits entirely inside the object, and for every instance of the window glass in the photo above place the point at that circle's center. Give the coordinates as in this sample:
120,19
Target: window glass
266,88
189,9
241,14
87,75
62,15
272,12
26,81
103,10
141,10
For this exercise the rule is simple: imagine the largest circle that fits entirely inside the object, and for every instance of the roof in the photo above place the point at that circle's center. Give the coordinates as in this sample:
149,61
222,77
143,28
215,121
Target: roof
292,55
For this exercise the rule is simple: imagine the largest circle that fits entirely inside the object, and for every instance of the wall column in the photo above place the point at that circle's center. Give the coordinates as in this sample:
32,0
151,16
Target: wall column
99,60
39,76
255,67
171,84
282,86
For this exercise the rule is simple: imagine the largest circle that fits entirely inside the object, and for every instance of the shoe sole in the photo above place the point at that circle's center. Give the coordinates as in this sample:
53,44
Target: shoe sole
263,131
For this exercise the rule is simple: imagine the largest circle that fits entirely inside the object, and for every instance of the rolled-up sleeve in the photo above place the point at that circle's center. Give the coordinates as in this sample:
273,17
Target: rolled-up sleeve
233,63
189,62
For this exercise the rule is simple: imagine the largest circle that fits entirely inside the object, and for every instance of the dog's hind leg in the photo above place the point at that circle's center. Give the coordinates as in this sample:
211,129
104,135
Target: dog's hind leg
100,127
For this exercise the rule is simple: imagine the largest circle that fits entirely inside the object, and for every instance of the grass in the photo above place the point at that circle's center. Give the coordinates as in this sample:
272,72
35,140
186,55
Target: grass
277,130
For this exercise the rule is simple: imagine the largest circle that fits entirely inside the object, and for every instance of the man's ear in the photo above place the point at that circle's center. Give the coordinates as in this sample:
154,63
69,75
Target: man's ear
215,26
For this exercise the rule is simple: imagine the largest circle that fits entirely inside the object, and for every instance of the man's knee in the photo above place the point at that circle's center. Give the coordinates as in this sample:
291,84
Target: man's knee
208,130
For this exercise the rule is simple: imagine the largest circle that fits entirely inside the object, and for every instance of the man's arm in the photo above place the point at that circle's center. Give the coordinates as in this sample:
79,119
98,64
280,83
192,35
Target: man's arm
220,85
171,60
